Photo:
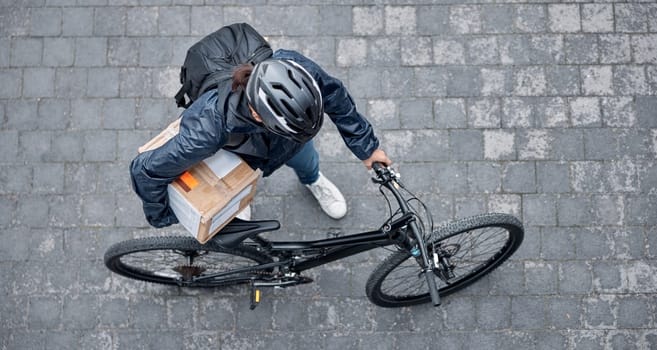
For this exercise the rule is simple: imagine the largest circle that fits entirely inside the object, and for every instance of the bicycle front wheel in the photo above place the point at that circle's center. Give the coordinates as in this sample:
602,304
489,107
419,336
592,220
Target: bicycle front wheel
471,248
183,260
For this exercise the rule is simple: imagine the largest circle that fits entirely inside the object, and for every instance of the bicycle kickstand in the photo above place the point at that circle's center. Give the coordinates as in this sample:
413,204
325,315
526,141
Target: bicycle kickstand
255,295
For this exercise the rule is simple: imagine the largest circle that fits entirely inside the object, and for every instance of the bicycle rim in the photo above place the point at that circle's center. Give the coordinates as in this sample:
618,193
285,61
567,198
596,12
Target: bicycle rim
181,260
474,247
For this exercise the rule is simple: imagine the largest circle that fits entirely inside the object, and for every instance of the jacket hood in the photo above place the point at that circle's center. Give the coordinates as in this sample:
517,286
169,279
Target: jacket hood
238,115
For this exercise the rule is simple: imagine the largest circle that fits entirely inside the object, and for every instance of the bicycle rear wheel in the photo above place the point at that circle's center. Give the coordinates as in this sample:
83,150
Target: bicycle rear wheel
180,260
472,246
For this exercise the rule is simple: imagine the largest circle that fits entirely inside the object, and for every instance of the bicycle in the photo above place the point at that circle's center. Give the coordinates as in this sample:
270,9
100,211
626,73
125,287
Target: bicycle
428,262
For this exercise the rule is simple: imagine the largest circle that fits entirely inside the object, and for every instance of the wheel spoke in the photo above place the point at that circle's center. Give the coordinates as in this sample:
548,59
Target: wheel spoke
180,260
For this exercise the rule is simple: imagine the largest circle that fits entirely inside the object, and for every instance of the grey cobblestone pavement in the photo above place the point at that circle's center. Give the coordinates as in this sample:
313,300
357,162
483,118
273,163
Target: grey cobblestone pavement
541,109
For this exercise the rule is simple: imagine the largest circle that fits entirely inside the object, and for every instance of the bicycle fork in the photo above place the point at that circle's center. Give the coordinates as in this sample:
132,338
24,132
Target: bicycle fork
425,262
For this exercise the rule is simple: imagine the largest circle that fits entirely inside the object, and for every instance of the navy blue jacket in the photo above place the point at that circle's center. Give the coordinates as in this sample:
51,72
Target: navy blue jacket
220,119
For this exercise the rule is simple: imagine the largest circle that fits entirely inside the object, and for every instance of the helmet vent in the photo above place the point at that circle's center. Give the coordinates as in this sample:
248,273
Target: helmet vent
293,78
274,108
278,86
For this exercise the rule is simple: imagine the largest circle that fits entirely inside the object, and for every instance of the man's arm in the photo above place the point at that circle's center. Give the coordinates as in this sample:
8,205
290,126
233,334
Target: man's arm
201,135
355,130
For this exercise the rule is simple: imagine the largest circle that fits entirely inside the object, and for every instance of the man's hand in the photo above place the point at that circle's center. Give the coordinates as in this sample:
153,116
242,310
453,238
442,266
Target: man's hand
377,156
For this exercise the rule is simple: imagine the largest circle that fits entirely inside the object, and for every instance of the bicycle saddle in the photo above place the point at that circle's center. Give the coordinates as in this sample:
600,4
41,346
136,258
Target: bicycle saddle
238,230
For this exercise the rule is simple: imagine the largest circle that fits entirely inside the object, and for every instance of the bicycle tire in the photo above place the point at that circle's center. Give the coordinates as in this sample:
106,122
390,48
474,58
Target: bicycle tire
165,260
400,270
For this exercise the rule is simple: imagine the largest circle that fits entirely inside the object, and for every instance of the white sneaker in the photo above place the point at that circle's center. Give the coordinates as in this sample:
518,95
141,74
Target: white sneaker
329,197
245,214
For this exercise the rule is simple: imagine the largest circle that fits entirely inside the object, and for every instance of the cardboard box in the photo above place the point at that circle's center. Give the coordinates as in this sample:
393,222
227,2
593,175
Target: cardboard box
211,193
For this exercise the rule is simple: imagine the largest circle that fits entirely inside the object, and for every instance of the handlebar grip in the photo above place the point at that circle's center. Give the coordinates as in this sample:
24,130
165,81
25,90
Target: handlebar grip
377,166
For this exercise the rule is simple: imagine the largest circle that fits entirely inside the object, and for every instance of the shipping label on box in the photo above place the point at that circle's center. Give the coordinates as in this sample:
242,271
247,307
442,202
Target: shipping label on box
211,193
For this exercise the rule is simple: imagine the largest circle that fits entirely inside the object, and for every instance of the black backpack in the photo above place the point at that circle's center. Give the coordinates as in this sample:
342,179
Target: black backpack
211,61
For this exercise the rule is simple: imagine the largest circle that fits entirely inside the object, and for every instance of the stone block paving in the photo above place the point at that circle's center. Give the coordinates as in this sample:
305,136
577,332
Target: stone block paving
546,110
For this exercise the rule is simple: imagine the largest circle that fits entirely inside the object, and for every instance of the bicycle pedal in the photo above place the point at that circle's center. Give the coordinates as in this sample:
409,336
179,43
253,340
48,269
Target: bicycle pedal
255,296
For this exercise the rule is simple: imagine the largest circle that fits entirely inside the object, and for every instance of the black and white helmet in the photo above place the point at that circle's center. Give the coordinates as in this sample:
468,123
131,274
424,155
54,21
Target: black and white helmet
287,98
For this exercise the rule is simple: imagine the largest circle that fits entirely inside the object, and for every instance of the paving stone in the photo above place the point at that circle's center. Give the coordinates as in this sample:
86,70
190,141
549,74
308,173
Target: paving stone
597,80
416,113
8,146
174,20
516,113
539,210
644,48
499,144
497,18
80,311
12,88
77,21
631,18
59,52
614,48
581,49
385,51
585,111
531,18
109,21
24,53
400,20
466,144
551,112
541,278
416,51
465,19
547,49
621,111
496,82
54,114
645,107
574,211
48,178
519,177
71,82
482,51
118,114
527,313
600,144
383,113
597,18
564,18
123,51
514,49
529,81
205,19
484,177
368,20
90,52
15,21
432,20
484,113
46,21
303,20
630,81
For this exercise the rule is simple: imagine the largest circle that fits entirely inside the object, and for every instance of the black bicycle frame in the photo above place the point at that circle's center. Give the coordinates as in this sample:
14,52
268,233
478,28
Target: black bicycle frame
333,249
402,232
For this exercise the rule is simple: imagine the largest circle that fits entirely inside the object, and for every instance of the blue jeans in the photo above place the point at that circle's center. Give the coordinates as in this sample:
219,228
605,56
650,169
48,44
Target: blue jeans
306,164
